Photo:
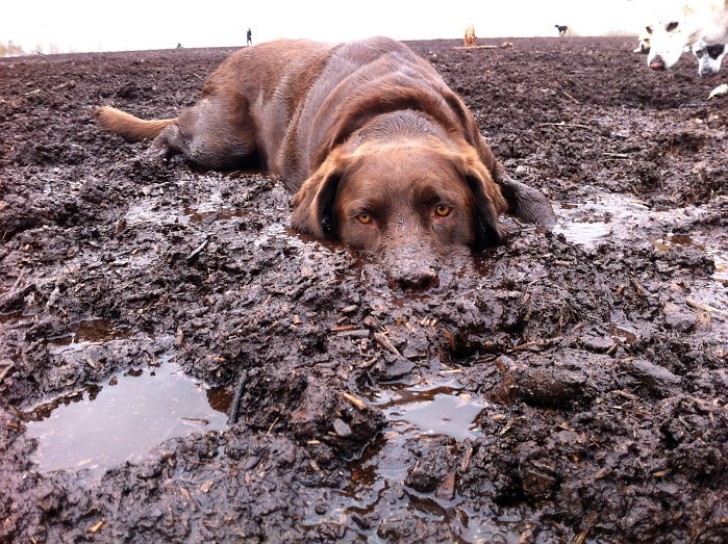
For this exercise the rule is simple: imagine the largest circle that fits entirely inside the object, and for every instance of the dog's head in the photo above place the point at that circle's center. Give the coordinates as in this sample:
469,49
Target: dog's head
643,45
409,201
676,29
709,57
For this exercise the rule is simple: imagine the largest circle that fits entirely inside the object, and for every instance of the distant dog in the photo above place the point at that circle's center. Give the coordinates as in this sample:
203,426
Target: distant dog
710,57
681,26
562,29
643,46
381,154
469,40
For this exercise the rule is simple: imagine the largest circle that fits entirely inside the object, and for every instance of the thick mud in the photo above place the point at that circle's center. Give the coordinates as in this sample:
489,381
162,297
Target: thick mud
568,387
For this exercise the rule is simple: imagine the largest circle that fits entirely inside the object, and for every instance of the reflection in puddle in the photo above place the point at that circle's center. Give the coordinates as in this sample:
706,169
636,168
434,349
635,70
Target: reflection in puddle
122,421
442,410
583,233
92,331
589,222
380,472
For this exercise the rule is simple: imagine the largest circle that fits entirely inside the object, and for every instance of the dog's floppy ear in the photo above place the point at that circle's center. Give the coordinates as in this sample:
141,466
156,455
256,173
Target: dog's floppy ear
488,202
313,204
524,202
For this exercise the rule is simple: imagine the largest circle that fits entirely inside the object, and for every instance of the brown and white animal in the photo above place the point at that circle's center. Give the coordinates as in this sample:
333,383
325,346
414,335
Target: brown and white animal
470,38
381,154
679,26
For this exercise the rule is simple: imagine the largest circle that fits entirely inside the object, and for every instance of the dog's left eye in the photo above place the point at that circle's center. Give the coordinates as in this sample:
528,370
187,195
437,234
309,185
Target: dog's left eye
671,26
364,218
441,210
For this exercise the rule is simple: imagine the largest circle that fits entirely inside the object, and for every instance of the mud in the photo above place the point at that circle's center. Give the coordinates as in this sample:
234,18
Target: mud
568,387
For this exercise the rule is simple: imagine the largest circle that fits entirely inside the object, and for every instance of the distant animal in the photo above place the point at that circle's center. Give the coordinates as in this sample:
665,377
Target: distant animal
643,45
380,153
562,29
710,57
469,40
681,26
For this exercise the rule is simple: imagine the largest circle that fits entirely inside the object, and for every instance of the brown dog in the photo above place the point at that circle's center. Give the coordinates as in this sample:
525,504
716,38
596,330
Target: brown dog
381,154
469,40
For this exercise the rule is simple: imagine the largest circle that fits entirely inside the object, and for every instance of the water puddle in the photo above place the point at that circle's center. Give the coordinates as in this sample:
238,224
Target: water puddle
587,223
624,217
204,214
121,421
194,216
443,410
379,474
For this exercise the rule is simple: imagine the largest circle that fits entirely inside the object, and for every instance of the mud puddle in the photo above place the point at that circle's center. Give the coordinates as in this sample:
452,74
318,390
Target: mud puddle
432,409
121,421
438,411
610,216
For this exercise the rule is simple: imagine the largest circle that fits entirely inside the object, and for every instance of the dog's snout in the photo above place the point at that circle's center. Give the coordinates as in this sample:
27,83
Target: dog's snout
414,275
410,267
658,64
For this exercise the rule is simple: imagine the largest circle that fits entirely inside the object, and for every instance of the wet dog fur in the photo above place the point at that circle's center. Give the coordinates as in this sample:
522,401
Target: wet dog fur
379,152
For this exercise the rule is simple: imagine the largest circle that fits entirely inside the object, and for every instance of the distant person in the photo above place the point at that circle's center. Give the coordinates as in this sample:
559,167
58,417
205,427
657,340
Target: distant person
249,37
179,45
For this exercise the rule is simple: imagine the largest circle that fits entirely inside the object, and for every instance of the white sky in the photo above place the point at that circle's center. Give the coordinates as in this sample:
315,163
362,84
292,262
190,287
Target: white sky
82,25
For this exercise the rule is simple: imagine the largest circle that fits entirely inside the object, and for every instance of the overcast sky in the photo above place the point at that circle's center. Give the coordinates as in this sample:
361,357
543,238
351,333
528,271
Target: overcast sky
82,25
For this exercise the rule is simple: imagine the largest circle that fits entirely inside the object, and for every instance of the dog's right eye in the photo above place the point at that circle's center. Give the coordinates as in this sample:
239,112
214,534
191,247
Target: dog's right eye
671,26
364,218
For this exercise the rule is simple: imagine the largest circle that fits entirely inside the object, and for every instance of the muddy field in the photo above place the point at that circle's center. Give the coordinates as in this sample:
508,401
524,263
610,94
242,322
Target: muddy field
177,365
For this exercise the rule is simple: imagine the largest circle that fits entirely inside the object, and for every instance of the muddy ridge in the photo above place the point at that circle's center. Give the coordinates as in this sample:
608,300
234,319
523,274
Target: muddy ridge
568,387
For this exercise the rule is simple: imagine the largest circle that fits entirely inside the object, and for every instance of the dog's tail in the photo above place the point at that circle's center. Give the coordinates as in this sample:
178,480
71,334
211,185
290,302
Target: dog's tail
131,128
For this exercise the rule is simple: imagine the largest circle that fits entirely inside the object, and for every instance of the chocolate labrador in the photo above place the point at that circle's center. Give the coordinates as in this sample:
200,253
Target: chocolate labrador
381,154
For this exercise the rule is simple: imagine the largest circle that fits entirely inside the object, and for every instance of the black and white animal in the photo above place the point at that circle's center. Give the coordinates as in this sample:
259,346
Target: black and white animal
682,25
562,29
643,46
710,57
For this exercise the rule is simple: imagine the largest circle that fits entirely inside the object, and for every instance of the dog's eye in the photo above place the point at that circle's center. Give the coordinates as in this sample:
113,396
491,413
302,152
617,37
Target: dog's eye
364,218
441,210
671,26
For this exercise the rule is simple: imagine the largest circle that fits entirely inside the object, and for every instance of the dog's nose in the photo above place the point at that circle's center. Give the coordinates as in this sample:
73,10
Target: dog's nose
657,64
410,268
414,276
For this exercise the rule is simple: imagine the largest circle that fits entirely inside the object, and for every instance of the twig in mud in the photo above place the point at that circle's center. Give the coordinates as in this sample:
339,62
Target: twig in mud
567,95
9,300
270,429
564,125
639,289
588,523
467,456
343,328
235,404
383,341
357,402
706,308
198,249
8,368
